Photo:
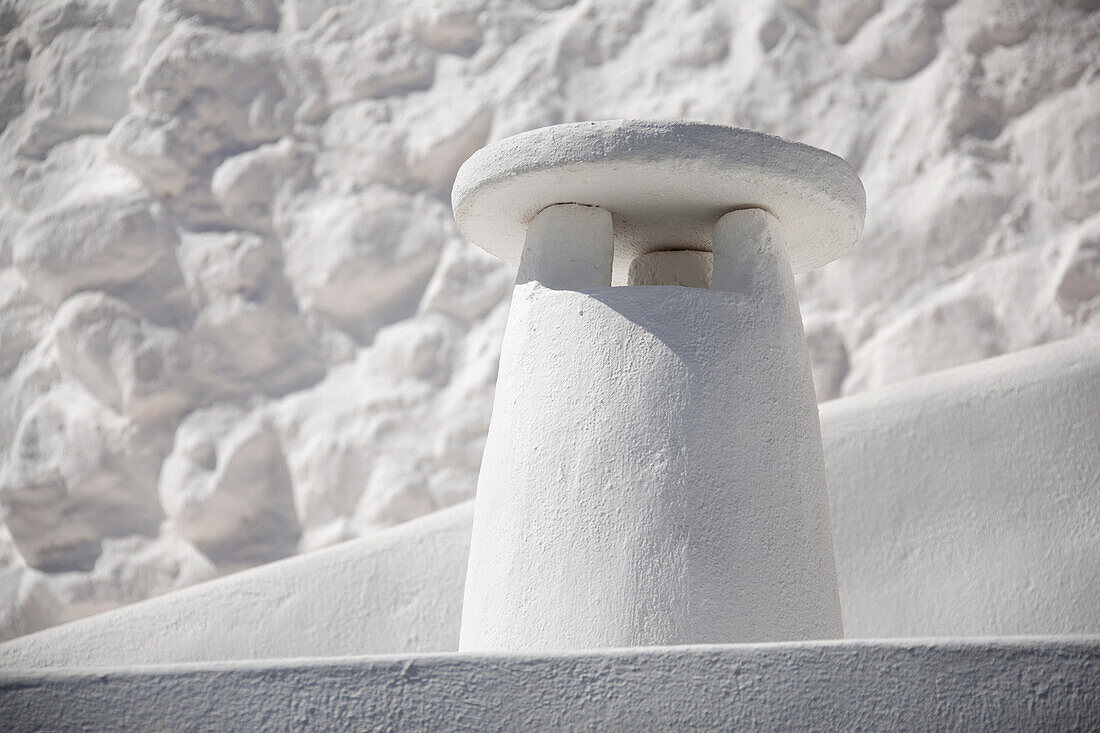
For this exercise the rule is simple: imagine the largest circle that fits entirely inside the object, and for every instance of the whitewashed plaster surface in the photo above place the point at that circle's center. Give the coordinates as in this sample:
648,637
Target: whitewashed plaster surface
1023,556
966,503
237,322
654,472
990,684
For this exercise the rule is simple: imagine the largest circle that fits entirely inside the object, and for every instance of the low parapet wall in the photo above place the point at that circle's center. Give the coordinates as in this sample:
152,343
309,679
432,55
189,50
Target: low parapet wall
967,502
1004,685
399,590
963,503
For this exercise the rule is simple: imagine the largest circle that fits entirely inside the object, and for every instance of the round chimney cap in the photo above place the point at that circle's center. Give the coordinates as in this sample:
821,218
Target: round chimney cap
666,183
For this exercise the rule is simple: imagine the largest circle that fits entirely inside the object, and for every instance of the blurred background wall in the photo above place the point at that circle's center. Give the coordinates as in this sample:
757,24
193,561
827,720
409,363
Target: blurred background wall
237,321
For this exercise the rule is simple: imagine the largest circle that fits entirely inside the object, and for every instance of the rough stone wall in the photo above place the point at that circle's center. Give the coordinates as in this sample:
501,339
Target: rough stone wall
236,319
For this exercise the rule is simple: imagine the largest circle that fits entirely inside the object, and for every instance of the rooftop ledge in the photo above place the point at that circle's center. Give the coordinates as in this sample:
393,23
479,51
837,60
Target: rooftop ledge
1049,683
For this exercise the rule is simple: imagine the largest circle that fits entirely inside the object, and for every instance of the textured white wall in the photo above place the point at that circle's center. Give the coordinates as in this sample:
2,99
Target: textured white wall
236,320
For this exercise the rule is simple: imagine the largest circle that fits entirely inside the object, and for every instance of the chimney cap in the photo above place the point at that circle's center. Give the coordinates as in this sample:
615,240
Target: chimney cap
666,184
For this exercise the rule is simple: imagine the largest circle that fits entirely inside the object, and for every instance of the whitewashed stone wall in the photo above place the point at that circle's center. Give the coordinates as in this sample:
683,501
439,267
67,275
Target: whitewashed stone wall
237,322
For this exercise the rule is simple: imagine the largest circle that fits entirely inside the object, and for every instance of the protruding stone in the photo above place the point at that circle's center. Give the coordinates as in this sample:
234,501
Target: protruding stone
92,243
137,368
226,488
897,44
77,473
246,185
248,320
271,89
380,249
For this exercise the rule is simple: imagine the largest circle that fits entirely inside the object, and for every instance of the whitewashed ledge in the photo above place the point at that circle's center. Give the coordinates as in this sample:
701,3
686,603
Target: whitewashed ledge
986,684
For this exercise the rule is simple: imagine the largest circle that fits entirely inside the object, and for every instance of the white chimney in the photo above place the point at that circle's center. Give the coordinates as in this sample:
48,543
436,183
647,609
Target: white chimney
653,473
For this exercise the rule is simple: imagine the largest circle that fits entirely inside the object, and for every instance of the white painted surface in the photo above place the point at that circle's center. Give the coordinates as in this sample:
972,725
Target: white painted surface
968,502
751,258
247,193
1006,524
667,182
989,684
396,591
653,473
570,247
686,267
